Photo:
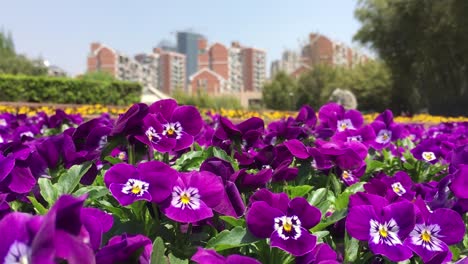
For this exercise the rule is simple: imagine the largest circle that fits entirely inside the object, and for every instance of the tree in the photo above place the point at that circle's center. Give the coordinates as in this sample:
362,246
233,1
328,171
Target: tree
11,63
425,45
315,86
279,94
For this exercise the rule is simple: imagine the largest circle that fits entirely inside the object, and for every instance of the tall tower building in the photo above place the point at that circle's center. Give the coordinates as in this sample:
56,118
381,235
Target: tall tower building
254,69
187,44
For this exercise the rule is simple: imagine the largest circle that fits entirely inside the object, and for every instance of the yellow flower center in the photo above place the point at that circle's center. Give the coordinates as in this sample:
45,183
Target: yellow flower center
345,174
170,131
136,189
343,126
383,232
185,198
385,136
396,189
287,226
426,236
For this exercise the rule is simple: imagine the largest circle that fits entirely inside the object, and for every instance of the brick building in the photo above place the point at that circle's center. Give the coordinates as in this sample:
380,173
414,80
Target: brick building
162,70
323,50
242,68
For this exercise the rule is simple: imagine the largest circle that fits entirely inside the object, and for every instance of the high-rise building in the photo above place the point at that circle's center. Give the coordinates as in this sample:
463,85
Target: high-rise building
241,68
254,69
323,50
150,68
121,66
161,70
289,62
236,70
172,70
187,44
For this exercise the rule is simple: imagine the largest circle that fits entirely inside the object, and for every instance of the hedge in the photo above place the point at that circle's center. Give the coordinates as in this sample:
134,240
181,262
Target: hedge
67,91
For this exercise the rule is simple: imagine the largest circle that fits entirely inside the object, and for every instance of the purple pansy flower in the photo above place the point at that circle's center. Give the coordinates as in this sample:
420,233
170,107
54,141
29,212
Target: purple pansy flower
434,232
209,256
385,227
44,239
193,196
322,254
427,150
338,119
365,135
232,203
150,181
169,127
459,183
286,222
385,130
122,249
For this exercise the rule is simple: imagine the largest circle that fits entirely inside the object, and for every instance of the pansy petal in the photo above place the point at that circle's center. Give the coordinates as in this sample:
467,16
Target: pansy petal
120,173
404,215
423,251
261,218
356,118
186,215
310,216
184,141
189,118
452,227
398,252
22,180
211,193
304,244
358,221
161,179
126,199
297,148
164,107
205,256
165,144
13,228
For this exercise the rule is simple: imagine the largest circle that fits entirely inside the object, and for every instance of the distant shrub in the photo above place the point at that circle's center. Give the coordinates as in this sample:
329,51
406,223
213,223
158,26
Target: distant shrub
67,90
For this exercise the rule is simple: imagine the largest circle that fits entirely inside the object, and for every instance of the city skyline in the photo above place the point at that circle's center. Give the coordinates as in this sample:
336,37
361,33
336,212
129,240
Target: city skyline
61,32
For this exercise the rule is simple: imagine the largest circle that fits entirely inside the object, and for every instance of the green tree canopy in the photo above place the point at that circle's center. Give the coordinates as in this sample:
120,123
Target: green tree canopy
12,63
425,45
280,93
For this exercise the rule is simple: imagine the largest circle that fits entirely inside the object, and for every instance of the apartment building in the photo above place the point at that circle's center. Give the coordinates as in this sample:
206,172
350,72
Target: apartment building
162,70
323,50
290,61
254,69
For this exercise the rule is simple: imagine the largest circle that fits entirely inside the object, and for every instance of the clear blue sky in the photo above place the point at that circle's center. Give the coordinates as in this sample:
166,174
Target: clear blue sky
61,31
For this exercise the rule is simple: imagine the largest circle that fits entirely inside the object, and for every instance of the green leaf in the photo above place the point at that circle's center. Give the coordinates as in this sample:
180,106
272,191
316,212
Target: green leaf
221,154
374,165
455,252
68,181
321,234
175,260
298,191
94,192
342,200
113,160
192,160
40,209
233,221
317,196
237,237
335,183
351,248
335,217
157,256
48,191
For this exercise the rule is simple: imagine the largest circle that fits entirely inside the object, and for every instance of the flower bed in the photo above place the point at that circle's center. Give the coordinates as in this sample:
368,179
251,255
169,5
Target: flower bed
161,185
